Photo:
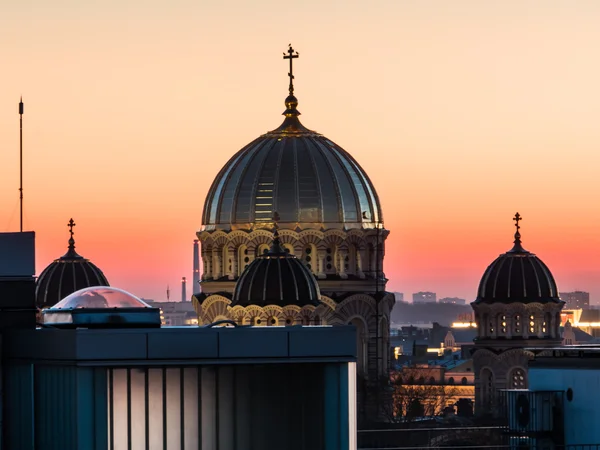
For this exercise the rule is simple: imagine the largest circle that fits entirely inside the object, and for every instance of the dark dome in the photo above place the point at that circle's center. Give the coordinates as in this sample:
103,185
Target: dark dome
309,180
65,275
517,276
276,278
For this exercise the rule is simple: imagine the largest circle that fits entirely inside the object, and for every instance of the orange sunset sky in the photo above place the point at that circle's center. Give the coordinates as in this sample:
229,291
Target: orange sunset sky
462,113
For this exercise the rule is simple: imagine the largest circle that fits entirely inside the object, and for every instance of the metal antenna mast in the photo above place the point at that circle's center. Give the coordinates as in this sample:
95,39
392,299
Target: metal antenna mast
21,161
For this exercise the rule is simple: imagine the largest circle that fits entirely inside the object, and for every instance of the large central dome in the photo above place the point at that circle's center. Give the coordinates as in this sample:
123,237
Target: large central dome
310,181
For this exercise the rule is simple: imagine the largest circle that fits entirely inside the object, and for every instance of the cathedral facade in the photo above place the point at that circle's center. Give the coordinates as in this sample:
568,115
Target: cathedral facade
326,214
517,311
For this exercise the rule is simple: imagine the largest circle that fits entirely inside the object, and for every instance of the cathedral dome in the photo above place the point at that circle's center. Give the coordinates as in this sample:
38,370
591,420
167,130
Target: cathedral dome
65,275
517,276
276,278
308,179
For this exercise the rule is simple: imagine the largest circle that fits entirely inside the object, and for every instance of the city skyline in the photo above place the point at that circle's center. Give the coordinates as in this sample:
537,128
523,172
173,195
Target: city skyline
126,126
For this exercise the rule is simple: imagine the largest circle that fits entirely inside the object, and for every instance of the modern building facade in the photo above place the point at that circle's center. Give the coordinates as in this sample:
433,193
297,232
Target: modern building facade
576,299
424,297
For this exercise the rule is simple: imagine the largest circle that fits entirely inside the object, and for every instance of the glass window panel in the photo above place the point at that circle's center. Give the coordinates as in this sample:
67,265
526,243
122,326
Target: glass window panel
346,191
244,208
217,192
155,408
173,409
359,185
329,196
232,185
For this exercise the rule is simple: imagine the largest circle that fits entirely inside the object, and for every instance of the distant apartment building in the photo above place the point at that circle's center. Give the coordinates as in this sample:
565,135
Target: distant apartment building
453,300
399,296
575,300
424,297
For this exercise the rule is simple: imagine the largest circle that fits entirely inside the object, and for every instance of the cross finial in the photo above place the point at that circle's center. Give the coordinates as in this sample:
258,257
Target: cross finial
71,251
291,54
517,241
71,224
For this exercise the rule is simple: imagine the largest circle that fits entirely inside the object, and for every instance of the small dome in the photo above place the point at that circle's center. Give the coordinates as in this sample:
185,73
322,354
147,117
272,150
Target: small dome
100,297
101,307
517,276
66,275
276,278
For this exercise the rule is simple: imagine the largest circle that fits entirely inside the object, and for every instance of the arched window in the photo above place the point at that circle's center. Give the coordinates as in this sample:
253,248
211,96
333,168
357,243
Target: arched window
421,380
262,249
502,324
463,380
431,380
531,324
517,379
243,259
517,330
309,256
451,380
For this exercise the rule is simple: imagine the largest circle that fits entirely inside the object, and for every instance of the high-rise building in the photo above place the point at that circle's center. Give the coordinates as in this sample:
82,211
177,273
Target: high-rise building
399,296
424,297
453,300
576,299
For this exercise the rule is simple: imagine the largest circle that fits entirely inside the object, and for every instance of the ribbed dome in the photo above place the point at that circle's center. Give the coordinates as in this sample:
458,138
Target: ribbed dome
309,180
517,276
65,275
276,278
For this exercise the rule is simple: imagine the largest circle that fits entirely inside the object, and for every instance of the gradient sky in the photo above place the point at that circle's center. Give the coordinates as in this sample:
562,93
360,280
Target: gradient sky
462,113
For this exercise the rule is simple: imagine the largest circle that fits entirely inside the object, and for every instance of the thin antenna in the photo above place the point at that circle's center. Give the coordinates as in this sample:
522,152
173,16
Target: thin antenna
21,159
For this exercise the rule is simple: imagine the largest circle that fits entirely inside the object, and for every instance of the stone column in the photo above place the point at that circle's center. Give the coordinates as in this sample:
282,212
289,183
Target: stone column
216,262
342,254
232,254
360,255
321,255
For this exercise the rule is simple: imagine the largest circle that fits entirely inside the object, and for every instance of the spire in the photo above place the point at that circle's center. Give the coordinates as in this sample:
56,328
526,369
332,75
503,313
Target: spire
276,248
517,247
291,124
291,55
71,253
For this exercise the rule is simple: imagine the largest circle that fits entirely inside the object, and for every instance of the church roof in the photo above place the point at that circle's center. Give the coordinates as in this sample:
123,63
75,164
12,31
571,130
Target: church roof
308,179
65,275
276,278
517,276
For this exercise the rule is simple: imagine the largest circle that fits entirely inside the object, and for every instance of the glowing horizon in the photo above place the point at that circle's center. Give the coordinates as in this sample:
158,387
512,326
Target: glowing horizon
461,115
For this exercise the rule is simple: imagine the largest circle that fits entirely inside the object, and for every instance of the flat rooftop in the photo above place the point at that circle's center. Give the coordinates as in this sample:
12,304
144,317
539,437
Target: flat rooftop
183,345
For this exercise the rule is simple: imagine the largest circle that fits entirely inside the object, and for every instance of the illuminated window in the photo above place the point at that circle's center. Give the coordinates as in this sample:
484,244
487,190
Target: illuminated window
517,325
532,324
518,379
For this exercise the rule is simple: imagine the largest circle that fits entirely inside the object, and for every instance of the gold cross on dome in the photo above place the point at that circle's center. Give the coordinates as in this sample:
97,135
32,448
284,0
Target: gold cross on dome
71,224
291,55
517,219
